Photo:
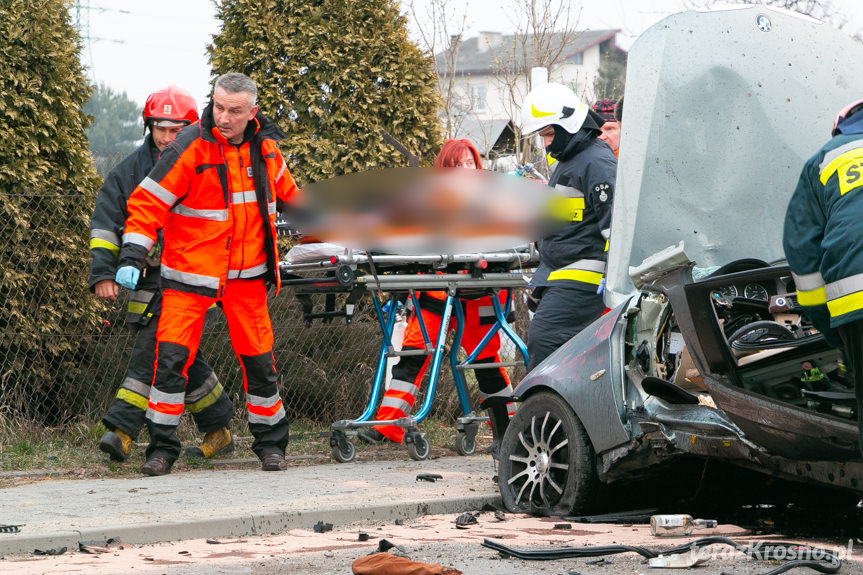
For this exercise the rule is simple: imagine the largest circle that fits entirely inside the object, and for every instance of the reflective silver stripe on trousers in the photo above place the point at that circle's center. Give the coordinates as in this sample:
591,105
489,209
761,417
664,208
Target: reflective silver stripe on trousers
505,392
138,240
106,235
247,197
586,265
833,154
136,386
486,311
190,278
157,396
271,208
808,282
397,402
213,215
209,384
843,287
267,420
163,418
157,190
259,401
248,272
281,172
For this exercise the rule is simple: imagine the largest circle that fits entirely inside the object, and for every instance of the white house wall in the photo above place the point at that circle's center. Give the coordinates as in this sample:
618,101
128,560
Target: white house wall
498,105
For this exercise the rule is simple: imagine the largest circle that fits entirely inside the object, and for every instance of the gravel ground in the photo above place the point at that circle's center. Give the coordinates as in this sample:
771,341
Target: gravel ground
428,539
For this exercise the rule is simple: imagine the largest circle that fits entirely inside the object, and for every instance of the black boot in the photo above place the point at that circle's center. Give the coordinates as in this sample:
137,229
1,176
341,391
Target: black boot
498,416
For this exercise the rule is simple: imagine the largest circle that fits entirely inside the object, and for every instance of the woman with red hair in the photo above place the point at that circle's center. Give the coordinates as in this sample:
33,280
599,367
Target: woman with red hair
479,316
458,154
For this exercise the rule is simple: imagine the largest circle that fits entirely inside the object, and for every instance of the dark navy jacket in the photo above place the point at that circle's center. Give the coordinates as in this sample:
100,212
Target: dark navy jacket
106,230
823,236
575,255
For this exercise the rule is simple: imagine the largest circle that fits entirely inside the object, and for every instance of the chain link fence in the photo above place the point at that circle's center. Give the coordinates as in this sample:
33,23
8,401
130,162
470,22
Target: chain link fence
58,371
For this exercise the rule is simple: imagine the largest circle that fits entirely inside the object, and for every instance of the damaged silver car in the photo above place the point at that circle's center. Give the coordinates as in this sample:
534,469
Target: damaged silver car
705,352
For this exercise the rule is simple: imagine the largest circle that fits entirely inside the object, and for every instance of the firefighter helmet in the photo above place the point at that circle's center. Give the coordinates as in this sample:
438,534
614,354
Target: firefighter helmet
846,112
170,107
549,104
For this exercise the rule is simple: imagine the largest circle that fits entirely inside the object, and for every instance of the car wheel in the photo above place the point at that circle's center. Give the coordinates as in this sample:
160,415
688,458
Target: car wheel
547,464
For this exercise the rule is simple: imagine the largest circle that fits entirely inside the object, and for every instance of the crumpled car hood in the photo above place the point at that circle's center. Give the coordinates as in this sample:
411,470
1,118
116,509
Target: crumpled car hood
722,110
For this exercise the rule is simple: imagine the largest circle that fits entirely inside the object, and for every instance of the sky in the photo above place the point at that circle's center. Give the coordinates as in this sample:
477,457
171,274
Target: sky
139,47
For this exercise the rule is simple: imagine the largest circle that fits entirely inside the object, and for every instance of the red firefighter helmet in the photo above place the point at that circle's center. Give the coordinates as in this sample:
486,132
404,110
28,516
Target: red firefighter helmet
848,110
170,107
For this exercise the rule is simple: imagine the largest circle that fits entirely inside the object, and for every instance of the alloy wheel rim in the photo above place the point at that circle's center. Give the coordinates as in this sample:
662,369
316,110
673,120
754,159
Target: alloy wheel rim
541,464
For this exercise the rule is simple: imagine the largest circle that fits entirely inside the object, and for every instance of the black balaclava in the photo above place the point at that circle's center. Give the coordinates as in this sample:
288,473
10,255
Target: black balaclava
565,144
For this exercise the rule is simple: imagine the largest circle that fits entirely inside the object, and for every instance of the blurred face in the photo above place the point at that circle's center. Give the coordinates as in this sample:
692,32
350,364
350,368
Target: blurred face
611,134
232,112
163,136
466,161
547,135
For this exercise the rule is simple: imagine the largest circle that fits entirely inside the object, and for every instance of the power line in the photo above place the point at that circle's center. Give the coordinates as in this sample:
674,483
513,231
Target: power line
82,10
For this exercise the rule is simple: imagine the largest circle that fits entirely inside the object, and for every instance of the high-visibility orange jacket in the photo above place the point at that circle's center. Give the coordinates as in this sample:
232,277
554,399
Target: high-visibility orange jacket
216,204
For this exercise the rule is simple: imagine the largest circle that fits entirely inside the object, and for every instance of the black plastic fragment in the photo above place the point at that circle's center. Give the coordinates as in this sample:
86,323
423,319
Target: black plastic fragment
56,551
321,527
432,477
464,520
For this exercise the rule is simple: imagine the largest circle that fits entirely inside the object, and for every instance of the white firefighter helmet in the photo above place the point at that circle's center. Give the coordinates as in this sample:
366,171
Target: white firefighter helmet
549,104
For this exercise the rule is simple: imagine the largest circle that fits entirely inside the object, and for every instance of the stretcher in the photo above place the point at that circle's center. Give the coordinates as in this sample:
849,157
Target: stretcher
399,279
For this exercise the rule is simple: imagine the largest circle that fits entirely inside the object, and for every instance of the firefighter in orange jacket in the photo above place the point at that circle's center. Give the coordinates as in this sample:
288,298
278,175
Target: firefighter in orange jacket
214,194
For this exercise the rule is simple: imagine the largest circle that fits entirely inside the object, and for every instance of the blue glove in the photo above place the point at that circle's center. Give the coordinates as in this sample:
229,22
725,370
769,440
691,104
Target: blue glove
599,290
127,276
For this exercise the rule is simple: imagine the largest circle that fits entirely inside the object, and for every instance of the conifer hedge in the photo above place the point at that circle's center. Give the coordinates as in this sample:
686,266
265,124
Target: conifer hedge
47,186
332,74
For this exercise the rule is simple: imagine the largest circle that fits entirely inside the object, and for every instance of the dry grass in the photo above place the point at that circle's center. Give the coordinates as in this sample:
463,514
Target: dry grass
28,451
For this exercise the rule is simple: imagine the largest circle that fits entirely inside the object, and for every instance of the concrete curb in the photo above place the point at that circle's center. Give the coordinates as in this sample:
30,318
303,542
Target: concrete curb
241,525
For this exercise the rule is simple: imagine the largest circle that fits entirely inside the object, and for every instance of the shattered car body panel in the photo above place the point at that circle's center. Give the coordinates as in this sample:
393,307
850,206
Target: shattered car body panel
706,353
720,118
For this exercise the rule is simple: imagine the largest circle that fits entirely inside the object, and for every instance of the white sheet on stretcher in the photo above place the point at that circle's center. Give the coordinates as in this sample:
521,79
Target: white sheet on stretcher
314,252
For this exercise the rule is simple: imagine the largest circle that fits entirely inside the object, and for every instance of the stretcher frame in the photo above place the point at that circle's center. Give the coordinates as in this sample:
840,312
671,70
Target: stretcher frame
358,273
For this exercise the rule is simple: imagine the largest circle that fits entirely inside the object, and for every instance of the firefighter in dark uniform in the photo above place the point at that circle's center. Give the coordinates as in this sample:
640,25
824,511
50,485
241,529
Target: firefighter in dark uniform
571,275
823,240
166,112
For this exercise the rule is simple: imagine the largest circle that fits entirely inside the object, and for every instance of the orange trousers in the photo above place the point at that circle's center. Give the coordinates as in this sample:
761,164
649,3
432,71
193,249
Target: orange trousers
244,303
408,372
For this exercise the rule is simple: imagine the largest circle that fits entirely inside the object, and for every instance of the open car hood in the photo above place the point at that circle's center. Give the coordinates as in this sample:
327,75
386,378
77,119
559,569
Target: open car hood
722,110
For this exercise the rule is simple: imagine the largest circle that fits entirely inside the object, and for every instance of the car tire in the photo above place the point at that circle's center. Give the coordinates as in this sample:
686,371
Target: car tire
547,464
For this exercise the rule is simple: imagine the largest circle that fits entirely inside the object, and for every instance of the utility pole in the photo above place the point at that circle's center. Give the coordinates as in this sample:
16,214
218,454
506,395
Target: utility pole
82,10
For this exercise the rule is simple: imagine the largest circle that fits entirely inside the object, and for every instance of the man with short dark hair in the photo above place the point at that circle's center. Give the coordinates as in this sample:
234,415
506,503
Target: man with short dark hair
214,193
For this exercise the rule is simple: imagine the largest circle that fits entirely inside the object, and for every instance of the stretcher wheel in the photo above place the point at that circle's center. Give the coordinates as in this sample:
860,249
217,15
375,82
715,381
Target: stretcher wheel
344,451
419,448
465,445
345,275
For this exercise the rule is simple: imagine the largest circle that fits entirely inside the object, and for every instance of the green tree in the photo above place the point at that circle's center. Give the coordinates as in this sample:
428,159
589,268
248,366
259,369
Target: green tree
116,128
47,184
332,74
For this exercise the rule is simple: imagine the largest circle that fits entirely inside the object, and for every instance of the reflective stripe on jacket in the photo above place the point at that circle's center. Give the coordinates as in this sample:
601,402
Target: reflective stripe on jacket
216,203
823,235
106,231
575,256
